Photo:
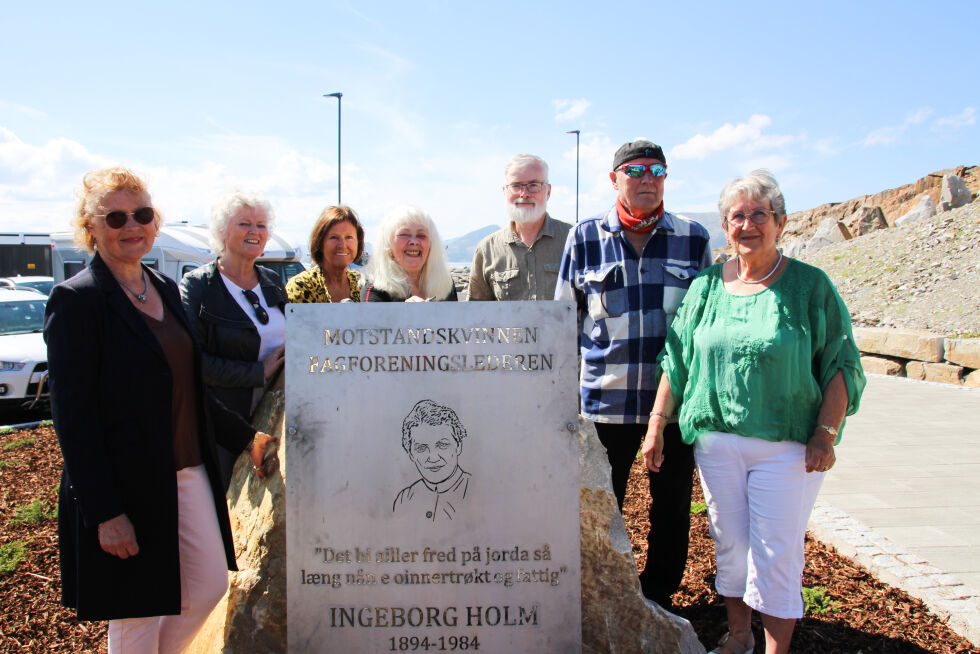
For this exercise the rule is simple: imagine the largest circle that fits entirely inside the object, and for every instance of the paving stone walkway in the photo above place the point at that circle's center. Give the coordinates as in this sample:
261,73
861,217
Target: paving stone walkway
904,496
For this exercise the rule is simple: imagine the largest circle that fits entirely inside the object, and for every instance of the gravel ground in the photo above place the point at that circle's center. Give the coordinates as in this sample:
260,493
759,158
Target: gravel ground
924,275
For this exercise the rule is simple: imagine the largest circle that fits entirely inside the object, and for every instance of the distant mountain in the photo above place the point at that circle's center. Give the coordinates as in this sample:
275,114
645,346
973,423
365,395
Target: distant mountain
711,221
460,249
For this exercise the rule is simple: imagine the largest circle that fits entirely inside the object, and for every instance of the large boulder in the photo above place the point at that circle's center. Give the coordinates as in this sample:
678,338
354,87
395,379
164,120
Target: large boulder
925,208
901,343
616,618
829,232
954,193
866,220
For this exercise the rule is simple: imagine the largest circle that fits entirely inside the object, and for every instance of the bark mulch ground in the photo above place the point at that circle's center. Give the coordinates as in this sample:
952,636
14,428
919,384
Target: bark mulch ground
863,615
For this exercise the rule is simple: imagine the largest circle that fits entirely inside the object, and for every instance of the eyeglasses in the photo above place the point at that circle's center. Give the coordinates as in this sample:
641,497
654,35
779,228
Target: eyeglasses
260,313
758,217
530,187
117,219
639,170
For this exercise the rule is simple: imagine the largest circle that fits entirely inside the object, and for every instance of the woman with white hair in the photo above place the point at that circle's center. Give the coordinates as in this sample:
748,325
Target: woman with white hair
762,365
237,310
408,263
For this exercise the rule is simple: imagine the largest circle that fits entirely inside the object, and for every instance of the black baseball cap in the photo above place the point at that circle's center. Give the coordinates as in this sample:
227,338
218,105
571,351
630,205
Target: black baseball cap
638,149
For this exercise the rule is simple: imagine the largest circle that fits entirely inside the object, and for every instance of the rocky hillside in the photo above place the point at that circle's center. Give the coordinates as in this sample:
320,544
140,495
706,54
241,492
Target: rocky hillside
921,275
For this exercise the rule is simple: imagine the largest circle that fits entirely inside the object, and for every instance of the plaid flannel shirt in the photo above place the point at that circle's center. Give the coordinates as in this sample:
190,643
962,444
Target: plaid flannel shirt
625,305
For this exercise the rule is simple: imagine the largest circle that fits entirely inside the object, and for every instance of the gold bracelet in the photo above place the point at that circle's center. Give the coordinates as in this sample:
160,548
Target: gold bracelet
833,431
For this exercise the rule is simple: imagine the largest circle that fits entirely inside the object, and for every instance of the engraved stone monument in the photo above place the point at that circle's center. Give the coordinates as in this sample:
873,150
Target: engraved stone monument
433,478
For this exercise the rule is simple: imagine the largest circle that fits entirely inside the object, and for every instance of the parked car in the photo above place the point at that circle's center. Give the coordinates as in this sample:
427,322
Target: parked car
39,283
23,354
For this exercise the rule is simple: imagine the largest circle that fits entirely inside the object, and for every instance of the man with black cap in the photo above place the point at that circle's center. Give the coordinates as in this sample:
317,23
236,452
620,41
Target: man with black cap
627,270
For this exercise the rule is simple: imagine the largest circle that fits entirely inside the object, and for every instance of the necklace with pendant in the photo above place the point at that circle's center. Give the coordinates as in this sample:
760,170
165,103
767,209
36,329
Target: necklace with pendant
140,297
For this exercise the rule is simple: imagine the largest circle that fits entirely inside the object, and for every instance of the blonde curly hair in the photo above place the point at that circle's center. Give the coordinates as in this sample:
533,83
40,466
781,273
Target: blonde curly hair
95,185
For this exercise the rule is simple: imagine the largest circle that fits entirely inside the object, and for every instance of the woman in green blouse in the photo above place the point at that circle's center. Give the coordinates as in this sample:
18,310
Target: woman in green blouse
761,364
336,242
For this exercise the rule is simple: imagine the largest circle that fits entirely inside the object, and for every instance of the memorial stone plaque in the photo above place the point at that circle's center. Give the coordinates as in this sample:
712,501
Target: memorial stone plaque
432,478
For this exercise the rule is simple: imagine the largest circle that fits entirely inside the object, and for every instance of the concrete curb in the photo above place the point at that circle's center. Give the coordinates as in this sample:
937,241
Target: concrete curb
943,593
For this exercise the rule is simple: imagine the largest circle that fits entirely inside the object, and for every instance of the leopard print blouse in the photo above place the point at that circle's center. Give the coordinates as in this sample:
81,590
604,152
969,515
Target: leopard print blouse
310,287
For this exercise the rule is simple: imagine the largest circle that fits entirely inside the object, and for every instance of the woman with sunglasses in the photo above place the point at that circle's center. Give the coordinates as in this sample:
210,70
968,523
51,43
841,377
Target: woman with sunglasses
143,529
336,242
409,263
761,363
237,310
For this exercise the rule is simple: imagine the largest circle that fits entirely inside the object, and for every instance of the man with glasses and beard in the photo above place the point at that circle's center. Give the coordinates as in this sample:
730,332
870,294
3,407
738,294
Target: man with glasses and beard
627,269
520,261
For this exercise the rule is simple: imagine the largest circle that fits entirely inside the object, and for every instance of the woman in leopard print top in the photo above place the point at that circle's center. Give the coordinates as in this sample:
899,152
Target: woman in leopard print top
336,242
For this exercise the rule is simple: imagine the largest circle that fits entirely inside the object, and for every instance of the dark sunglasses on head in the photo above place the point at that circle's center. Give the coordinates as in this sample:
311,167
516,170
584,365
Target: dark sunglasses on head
117,219
260,313
639,170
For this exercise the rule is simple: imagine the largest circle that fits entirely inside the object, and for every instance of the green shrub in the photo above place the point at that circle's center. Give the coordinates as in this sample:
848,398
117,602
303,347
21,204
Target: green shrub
11,555
816,601
698,507
47,423
36,511
13,445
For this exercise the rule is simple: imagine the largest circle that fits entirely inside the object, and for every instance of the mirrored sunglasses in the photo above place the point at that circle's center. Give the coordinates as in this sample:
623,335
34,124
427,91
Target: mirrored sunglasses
117,219
639,170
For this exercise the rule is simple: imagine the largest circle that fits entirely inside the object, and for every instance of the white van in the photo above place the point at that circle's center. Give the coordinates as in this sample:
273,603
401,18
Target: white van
178,249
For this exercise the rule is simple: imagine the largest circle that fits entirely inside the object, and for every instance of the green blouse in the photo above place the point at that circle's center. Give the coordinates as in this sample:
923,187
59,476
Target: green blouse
757,365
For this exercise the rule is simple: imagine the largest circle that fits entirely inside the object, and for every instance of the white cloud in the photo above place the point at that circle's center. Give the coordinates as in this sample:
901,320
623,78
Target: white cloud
891,133
570,109
747,136
22,108
965,118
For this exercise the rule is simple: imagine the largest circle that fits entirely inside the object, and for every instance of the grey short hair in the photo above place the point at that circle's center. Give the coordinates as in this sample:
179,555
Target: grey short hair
430,413
227,207
387,275
758,185
522,160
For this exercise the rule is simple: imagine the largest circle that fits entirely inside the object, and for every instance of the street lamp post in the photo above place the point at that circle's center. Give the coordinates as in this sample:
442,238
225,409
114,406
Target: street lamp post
337,95
576,132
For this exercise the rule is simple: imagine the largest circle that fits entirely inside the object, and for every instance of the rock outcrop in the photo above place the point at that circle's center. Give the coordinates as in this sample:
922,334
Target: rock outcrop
893,202
616,618
954,193
924,208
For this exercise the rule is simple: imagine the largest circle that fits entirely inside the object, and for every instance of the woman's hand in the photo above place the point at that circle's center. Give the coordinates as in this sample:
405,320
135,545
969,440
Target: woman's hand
653,444
272,361
820,452
117,537
415,298
257,452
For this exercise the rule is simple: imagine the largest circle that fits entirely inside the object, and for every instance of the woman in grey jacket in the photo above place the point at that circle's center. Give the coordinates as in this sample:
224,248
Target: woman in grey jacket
236,310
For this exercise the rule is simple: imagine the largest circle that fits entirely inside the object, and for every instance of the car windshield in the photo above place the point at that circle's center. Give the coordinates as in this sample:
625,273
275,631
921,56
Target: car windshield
42,285
22,316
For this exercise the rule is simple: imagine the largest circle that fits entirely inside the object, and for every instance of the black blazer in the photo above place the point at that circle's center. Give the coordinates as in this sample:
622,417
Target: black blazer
228,338
110,400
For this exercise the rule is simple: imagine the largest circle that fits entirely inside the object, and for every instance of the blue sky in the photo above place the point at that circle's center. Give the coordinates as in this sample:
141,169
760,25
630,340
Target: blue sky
837,99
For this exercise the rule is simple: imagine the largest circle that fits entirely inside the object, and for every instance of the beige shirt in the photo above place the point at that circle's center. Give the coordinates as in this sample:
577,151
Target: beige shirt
506,268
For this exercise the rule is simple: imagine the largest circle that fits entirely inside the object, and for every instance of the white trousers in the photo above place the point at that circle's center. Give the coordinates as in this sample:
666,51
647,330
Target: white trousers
203,576
759,499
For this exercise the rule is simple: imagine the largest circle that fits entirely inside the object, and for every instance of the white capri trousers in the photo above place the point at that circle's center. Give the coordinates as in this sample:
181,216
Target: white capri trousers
759,499
203,575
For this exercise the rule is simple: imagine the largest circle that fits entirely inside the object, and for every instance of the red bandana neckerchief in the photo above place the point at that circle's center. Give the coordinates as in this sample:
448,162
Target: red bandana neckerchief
627,220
